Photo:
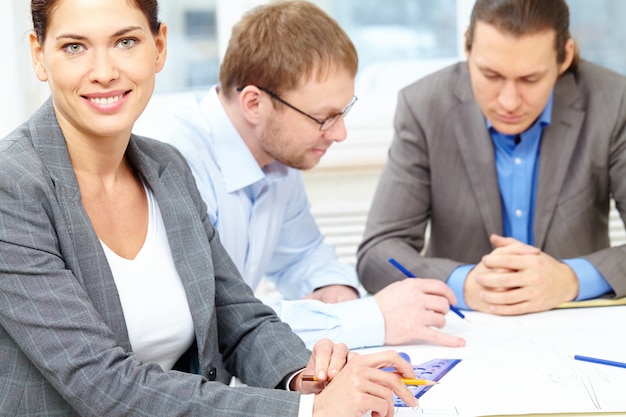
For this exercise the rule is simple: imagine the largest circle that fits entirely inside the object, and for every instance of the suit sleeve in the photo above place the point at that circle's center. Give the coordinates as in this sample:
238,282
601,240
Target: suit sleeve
400,210
609,111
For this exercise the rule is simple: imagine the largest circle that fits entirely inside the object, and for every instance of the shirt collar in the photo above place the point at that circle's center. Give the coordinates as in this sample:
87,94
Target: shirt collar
236,163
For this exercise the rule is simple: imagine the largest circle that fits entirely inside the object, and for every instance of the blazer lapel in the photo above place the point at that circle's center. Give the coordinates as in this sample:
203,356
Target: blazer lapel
557,144
478,154
83,252
180,219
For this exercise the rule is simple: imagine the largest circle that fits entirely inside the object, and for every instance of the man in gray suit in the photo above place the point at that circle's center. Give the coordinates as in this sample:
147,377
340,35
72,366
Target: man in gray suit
511,158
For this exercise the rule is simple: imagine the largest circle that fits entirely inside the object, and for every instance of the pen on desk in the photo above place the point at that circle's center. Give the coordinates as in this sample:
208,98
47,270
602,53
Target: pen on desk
409,274
405,381
600,361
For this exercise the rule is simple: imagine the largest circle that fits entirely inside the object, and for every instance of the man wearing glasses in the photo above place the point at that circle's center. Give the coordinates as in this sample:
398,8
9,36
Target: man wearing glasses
286,84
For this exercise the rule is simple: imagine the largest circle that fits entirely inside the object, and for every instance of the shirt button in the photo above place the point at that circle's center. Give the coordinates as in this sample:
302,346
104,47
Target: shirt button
518,161
519,213
212,374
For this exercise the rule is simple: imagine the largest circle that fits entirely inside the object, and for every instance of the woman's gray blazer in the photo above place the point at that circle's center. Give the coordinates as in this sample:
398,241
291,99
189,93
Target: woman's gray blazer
64,347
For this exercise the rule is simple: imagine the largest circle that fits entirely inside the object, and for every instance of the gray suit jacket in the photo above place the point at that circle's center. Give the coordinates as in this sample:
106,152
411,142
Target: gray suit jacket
441,169
64,348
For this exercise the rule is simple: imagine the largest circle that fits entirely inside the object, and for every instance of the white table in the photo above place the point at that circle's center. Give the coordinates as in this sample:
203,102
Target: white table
523,365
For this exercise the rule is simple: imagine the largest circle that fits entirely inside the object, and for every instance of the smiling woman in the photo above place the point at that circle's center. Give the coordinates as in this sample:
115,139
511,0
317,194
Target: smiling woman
101,71
101,74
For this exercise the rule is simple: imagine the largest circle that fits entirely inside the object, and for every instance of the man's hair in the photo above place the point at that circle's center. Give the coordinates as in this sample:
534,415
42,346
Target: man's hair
277,46
524,17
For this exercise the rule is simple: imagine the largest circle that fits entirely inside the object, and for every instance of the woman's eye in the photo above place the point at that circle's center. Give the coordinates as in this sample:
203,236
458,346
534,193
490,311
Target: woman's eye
74,48
127,43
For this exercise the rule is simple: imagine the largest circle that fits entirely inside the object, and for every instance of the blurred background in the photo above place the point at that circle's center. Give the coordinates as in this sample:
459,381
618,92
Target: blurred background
397,41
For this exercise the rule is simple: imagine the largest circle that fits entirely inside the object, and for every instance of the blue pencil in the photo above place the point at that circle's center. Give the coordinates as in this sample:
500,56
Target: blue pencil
409,274
600,361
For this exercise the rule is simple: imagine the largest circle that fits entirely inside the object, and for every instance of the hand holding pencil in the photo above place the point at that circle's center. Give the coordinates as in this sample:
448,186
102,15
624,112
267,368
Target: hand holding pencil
405,381
413,310
358,381
409,274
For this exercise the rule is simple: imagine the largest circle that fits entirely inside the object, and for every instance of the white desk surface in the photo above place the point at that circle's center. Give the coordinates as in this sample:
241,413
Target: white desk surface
523,365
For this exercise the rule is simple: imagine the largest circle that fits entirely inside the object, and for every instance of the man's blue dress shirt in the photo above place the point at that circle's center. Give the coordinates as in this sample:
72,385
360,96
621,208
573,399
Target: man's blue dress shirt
517,165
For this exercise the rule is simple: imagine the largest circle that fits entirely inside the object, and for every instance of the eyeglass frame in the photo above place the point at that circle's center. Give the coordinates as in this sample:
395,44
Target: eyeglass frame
325,124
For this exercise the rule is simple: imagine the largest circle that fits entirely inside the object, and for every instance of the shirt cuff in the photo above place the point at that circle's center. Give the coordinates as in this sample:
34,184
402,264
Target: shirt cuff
591,283
305,408
306,405
456,281
362,321
286,383
357,323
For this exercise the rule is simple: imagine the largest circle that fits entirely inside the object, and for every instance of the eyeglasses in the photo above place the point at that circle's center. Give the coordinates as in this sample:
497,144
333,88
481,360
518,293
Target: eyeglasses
324,124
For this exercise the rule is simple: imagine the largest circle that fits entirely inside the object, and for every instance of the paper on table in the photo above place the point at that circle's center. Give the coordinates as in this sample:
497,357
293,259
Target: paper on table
523,365
596,302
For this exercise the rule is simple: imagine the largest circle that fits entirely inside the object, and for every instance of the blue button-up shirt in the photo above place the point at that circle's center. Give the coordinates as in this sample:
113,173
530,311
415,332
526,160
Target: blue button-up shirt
517,166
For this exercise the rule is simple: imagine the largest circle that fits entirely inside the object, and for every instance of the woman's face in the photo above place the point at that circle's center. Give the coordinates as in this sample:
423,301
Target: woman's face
99,59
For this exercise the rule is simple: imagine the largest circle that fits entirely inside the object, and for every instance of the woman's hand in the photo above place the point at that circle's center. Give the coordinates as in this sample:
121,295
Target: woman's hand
349,384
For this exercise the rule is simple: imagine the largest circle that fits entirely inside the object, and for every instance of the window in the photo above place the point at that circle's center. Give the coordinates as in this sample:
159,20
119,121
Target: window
398,41
401,30
598,29
383,32
192,44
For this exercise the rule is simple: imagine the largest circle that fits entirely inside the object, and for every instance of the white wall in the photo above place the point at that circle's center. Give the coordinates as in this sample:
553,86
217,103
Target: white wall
21,91
9,73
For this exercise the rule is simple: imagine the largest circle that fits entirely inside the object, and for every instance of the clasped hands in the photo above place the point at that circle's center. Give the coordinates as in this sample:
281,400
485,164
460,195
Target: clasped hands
516,278
352,385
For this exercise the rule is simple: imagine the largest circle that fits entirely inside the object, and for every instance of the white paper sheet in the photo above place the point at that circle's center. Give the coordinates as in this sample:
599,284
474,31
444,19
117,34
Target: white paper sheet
524,364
